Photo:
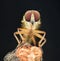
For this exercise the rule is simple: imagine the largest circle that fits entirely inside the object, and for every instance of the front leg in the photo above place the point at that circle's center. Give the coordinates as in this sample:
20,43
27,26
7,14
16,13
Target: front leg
22,29
41,42
20,34
33,39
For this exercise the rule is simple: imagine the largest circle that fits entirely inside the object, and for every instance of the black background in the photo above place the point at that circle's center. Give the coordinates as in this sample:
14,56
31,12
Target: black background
11,16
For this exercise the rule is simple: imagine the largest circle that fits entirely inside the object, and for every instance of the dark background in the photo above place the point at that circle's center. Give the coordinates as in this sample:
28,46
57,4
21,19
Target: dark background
11,16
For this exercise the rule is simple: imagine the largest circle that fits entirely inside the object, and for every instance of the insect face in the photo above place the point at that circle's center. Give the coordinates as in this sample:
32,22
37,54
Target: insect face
31,17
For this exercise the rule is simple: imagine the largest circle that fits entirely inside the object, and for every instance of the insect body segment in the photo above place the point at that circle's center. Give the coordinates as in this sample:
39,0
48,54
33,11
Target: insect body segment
28,32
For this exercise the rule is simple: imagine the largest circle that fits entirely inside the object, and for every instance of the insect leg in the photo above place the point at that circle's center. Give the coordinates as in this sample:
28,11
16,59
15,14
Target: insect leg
16,37
33,39
21,29
20,34
42,38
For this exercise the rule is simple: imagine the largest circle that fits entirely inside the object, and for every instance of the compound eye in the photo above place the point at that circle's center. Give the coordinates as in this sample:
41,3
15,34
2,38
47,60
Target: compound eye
29,13
28,16
36,15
